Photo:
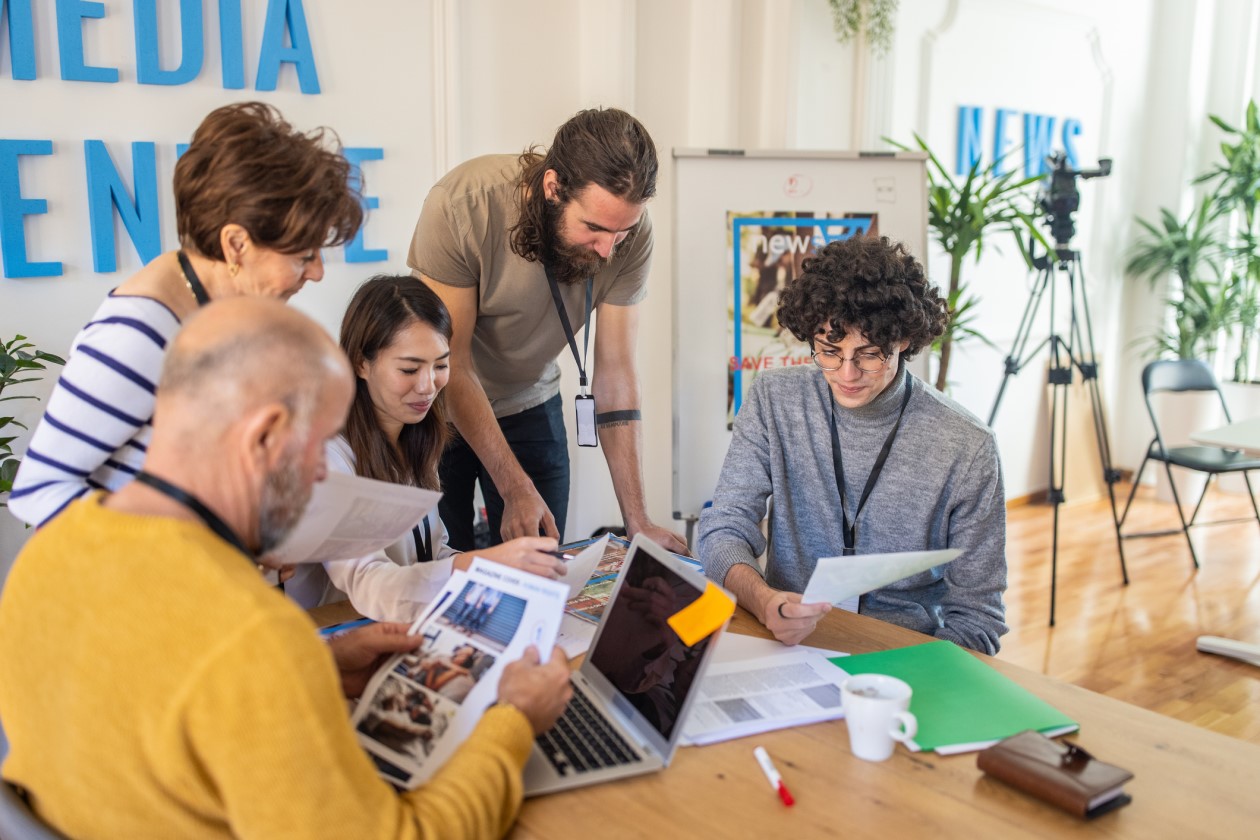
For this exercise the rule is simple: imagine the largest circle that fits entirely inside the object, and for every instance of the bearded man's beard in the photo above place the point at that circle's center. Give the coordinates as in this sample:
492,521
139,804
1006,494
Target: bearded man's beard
569,263
284,499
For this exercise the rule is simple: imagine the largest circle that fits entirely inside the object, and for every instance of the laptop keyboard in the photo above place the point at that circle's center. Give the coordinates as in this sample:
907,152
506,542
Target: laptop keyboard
582,740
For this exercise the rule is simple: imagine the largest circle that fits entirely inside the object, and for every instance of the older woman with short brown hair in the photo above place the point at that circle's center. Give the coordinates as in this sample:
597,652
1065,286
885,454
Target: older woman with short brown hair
255,201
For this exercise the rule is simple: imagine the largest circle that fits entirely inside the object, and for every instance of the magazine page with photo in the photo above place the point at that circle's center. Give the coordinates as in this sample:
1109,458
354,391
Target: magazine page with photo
421,705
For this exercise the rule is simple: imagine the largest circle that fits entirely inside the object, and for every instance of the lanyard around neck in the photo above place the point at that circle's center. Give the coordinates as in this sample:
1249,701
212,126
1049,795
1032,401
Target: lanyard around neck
424,544
850,527
188,500
568,327
193,281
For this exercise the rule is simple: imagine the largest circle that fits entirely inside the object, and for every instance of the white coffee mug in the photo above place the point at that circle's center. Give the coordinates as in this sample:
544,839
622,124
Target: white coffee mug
876,708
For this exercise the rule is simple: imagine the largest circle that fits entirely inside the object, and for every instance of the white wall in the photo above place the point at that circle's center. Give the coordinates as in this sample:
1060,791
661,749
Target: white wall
437,82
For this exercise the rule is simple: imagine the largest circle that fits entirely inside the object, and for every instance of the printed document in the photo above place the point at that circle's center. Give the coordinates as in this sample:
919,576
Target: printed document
352,516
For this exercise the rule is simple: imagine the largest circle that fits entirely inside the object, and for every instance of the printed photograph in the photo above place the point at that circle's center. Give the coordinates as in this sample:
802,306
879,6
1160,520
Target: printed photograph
487,616
448,666
405,719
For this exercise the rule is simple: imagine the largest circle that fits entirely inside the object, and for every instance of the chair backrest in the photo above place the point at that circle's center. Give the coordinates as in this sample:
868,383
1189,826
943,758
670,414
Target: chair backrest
1178,376
17,820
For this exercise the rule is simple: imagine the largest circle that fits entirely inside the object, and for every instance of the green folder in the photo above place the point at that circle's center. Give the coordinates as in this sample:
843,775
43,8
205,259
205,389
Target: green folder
961,703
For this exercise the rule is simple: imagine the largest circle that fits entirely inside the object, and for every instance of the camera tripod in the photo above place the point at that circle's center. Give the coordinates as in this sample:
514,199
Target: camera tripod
1075,350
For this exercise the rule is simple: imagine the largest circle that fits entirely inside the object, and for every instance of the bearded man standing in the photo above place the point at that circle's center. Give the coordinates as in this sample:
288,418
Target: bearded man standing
522,250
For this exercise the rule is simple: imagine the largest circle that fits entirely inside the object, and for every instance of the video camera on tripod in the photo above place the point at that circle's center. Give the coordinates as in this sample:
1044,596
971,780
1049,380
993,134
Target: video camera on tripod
1060,198
1072,349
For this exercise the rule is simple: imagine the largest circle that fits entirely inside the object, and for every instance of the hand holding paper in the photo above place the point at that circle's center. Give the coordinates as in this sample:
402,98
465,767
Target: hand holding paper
836,579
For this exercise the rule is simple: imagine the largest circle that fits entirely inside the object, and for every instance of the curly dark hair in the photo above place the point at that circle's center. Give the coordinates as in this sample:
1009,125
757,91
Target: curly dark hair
869,285
602,146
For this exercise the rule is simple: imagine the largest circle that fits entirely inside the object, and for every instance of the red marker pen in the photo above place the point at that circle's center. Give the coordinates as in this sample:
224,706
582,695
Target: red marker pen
772,774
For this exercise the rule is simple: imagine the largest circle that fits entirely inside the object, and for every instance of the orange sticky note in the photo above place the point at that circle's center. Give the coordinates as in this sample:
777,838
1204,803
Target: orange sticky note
703,615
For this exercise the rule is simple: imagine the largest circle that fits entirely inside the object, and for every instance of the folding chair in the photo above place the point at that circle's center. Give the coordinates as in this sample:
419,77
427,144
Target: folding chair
1181,376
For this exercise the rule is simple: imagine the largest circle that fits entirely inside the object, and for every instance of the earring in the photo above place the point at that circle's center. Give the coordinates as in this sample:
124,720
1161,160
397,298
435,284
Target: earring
233,268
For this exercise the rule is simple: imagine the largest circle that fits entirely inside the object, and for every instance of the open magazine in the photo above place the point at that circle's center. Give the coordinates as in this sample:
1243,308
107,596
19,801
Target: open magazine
422,705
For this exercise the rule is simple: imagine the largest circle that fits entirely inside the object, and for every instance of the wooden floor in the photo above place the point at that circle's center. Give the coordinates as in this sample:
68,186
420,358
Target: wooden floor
1137,642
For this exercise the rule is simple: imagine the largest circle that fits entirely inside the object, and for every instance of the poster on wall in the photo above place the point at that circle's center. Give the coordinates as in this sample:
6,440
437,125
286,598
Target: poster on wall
765,250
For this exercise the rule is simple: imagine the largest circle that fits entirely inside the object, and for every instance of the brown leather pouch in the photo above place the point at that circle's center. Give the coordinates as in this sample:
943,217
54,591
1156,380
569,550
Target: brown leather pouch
1060,773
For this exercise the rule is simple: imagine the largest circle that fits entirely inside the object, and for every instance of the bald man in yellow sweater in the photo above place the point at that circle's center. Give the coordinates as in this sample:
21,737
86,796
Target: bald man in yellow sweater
153,685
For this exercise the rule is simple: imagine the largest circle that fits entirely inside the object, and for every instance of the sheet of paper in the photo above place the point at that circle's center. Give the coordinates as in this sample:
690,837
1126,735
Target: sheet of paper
351,516
758,695
578,570
736,647
420,706
837,579
575,635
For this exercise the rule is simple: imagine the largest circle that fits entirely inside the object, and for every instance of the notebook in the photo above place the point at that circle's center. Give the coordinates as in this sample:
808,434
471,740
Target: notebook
633,692
961,703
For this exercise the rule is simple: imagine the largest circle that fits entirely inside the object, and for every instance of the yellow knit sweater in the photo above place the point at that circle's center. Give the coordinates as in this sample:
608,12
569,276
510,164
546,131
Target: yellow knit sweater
152,685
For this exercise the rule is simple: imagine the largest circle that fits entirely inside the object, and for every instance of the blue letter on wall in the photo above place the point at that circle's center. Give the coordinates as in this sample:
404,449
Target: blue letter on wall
21,37
1071,129
1000,141
192,49
70,15
968,138
1038,139
106,191
282,15
13,208
356,251
231,44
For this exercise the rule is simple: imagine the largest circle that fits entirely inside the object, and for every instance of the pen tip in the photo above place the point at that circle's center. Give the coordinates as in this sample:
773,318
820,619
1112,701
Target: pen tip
785,796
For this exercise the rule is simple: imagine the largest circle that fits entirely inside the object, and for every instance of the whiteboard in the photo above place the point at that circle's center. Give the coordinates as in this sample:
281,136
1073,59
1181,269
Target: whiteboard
726,206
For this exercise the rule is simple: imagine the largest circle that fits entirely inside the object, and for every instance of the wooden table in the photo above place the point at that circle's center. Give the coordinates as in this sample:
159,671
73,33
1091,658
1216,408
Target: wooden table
1189,782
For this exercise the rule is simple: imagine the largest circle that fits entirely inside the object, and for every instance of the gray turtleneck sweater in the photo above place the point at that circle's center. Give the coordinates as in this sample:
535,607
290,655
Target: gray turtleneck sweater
941,487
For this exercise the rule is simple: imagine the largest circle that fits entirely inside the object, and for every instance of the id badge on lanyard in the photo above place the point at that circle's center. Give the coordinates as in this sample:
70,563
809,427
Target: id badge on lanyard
584,402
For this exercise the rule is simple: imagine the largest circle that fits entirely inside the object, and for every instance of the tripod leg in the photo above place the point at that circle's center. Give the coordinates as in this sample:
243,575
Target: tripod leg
1089,372
1016,359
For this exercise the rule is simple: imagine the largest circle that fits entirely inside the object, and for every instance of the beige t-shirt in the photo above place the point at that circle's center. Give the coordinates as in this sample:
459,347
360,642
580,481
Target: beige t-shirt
462,239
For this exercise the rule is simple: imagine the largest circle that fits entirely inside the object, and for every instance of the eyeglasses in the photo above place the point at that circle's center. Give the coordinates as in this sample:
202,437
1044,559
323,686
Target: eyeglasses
865,362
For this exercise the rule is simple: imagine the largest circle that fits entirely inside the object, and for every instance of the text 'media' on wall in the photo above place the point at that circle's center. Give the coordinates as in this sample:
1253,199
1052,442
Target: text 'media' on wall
285,47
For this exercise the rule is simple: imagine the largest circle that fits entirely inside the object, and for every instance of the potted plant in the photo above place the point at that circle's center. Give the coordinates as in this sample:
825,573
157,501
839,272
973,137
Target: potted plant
964,214
20,363
1236,194
1201,302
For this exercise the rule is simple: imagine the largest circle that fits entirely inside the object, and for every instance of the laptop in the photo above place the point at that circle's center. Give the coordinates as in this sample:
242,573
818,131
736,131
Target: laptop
638,681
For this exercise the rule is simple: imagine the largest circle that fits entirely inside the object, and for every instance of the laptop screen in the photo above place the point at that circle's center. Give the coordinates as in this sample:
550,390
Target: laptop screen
639,653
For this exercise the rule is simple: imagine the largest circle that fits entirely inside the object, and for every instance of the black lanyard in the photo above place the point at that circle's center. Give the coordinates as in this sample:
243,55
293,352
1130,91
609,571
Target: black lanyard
850,528
424,545
188,500
193,281
568,327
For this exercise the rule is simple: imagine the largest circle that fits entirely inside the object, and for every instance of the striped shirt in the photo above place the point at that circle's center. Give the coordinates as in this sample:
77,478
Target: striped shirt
96,427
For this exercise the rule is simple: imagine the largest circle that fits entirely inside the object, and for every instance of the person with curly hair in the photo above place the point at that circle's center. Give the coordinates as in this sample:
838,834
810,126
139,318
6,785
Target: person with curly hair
859,456
505,241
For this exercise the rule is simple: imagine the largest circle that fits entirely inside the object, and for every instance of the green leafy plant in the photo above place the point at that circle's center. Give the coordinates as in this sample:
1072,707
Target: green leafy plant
20,363
1236,194
1202,302
877,18
963,214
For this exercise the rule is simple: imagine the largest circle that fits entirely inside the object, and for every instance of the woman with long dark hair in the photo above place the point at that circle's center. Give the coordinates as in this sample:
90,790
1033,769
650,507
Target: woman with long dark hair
396,333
